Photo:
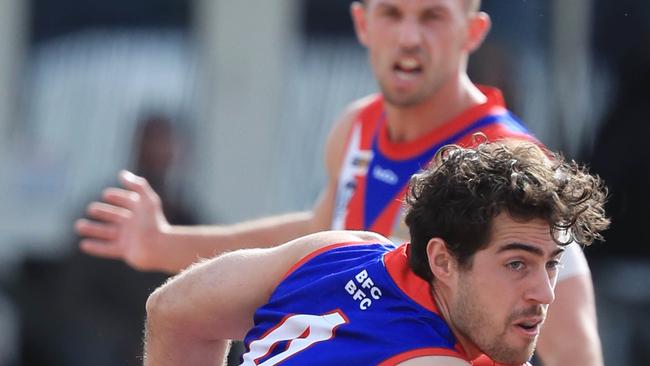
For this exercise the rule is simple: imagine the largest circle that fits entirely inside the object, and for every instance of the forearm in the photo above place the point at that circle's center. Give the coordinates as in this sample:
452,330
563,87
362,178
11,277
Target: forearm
184,245
173,348
169,343
191,318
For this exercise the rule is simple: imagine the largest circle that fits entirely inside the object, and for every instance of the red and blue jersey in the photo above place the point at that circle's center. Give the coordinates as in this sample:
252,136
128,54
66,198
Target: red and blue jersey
374,176
350,304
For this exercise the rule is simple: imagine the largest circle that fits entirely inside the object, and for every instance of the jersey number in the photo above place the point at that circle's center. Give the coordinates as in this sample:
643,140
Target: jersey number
301,331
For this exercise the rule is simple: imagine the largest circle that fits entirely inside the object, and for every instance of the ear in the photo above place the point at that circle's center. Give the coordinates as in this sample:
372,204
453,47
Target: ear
358,13
442,263
479,26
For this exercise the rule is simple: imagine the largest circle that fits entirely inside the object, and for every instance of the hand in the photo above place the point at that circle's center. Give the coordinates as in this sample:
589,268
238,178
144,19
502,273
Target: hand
128,224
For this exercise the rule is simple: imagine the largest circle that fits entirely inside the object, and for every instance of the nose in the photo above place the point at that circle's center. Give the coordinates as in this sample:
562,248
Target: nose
409,33
542,288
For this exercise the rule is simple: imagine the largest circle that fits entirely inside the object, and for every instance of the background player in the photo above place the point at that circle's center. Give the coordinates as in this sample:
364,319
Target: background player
418,51
485,221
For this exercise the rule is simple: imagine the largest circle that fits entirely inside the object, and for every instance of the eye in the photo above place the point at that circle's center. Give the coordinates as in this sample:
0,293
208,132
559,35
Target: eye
516,266
389,12
554,265
430,15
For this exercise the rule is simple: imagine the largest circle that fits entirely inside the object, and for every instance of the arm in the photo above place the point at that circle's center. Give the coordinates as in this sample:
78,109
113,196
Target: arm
189,320
570,333
129,223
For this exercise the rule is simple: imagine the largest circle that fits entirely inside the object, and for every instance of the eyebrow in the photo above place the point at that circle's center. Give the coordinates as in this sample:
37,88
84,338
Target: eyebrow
529,248
437,8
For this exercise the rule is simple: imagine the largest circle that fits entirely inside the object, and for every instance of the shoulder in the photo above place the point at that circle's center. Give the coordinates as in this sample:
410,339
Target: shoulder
353,111
277,262
309,244
502,128
362,103
338,136
335,236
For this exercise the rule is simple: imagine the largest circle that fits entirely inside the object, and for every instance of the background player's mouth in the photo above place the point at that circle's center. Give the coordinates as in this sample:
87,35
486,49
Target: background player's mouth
407,69
408,65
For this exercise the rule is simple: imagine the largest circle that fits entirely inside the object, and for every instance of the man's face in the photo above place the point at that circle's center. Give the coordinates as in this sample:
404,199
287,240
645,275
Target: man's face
414,46
501,301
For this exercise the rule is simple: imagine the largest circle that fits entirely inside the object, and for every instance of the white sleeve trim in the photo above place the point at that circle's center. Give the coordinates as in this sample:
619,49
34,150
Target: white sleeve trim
574,262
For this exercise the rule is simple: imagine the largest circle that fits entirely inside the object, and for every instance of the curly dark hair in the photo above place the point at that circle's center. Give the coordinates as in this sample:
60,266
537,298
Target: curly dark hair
457,198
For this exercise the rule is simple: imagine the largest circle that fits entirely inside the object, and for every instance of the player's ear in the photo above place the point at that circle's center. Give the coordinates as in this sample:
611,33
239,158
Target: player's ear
479,26
442,262
358,13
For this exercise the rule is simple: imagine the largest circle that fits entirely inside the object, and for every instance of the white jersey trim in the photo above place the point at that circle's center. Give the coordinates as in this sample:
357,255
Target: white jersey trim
574,262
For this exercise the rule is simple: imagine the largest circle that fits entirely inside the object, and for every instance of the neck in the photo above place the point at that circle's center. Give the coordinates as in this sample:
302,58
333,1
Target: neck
406,123
440,296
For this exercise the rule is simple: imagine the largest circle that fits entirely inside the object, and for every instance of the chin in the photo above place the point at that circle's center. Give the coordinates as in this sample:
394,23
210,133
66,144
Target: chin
512,356
402,100
510,360
523,357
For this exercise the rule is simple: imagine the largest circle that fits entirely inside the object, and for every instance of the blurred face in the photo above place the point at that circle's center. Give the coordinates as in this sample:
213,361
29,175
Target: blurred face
158,147
415,46
501,301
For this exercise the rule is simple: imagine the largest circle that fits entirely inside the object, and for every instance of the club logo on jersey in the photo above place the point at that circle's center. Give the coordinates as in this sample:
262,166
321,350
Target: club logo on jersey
361,161
362,288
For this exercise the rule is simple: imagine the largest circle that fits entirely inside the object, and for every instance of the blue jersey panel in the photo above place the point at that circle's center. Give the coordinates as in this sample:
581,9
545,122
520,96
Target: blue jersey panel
342,308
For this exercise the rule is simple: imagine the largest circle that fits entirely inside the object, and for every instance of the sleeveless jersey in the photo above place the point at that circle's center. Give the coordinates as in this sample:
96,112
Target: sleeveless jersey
375,172
350,304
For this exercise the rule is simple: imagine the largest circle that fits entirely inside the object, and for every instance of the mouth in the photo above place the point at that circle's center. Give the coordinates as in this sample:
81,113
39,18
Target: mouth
407,67
529,327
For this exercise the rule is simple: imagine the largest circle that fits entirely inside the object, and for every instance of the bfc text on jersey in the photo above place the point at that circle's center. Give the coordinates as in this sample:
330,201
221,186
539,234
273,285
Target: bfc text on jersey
362,286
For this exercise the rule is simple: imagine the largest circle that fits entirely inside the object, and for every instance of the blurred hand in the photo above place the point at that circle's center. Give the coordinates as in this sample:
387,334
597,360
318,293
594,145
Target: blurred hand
128,224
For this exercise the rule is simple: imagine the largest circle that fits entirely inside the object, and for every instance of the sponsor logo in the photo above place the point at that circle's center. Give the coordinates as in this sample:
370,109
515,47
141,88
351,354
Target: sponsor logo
385,175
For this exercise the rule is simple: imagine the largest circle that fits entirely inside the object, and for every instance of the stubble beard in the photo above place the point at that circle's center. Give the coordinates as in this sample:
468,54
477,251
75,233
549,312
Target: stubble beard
402,100
411,99
474,323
